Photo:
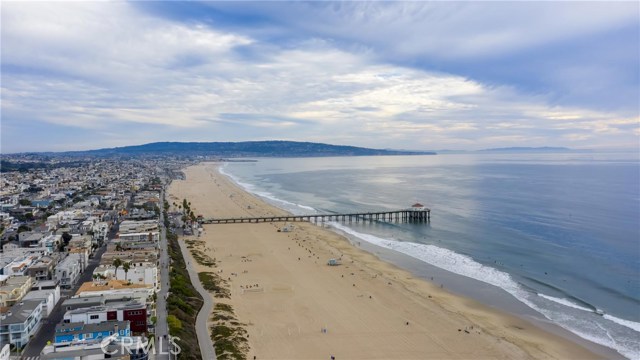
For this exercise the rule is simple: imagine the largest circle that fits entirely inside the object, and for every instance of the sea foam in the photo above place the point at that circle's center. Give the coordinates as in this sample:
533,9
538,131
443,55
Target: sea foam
589,326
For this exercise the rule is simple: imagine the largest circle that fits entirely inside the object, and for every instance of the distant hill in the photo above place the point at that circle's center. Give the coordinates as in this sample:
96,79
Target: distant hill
245,149
528,149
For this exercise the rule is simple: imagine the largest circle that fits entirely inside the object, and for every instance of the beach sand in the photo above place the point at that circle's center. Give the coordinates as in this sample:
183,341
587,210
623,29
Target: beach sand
297,307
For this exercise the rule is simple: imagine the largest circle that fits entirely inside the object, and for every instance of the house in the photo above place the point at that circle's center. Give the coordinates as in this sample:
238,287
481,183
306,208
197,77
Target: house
79,332
68,271
52,241
100,232
83,302
13,289
30,239
43,268
139,272
81,255
20,323
113,347
10,246
117,289
5,219
145,230
48,297
132,311
20,265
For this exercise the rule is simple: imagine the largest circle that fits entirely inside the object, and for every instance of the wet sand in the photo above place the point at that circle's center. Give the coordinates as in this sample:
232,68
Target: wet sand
295,306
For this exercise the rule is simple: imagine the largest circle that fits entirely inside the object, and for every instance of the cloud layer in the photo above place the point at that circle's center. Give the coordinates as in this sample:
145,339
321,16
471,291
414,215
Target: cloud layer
91,75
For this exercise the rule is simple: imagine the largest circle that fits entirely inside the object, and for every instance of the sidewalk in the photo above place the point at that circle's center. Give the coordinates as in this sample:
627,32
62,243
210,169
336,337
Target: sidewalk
202,330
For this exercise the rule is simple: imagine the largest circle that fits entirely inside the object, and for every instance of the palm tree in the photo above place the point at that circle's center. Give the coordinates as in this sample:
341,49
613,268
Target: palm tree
126,266
117,263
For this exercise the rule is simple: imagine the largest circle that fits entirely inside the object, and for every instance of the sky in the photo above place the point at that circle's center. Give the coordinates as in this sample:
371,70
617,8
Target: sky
401,75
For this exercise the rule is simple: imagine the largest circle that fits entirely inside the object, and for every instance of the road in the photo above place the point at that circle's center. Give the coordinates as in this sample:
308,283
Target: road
162,329
48,328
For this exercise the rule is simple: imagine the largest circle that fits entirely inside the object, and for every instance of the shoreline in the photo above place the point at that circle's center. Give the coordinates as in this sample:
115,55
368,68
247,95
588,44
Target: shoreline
489,332
488,295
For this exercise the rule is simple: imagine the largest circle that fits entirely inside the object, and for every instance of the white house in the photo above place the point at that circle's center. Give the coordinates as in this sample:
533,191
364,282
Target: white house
139,273
48,297
67,271
20,323
20,265
101,232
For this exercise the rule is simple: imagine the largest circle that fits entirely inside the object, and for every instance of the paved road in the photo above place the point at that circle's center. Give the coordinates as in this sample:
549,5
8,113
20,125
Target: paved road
162,330
48,328
204,339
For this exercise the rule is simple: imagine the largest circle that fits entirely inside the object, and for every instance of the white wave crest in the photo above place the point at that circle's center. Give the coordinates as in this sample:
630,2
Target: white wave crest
628,323
565,302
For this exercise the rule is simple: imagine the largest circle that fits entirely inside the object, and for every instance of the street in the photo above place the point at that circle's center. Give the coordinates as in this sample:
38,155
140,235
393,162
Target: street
48,328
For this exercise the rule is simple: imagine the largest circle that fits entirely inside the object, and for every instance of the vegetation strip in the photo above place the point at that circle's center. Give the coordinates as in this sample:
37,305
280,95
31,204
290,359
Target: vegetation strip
228,334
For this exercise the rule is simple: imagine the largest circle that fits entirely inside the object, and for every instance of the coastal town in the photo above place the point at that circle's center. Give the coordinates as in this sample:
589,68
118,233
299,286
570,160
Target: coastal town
84,263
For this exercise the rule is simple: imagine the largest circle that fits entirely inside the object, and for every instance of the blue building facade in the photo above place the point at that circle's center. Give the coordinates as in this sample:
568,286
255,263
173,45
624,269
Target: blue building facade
77,331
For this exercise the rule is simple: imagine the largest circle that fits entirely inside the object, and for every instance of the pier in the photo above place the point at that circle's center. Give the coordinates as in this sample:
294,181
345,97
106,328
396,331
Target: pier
422,215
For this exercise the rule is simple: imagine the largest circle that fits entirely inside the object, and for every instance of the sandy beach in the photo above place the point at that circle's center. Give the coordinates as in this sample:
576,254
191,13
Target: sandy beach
295,306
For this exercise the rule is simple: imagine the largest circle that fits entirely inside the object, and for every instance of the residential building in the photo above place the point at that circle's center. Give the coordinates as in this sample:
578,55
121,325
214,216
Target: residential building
113,347
79,332
48,297
13,289
30,239
20,323
138,273
43,268
83,302
20,265
132,311
68,271
114,289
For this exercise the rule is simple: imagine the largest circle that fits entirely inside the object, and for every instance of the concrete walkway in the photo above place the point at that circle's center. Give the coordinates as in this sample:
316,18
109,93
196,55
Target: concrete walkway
202,330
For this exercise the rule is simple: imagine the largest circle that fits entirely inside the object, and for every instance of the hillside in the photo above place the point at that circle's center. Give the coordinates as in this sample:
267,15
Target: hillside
245,149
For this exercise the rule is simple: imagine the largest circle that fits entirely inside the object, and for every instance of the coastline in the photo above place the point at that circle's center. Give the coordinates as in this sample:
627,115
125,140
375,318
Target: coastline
364,304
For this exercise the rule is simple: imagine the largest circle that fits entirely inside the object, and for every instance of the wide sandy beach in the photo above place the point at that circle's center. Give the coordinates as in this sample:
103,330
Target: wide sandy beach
297,307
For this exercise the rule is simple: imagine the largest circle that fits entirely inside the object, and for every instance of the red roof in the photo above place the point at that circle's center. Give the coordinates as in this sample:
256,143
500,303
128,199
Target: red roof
416,205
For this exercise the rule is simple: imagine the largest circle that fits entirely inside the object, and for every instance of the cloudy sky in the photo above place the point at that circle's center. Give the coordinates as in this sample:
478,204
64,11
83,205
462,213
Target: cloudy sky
409,75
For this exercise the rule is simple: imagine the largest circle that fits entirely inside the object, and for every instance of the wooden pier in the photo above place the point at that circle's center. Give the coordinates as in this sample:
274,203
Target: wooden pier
422,215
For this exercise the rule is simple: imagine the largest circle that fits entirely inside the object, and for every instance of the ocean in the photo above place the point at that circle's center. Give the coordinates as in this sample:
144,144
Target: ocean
560,233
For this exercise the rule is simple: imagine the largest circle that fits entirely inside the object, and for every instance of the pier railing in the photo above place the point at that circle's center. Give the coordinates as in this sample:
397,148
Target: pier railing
407,216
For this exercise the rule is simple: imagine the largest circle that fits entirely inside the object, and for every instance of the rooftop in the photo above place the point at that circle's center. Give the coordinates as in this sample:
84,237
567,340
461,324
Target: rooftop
19,312
129,305
82,328
108,285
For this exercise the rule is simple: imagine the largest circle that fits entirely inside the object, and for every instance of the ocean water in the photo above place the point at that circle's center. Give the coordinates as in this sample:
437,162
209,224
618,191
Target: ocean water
558,232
